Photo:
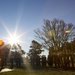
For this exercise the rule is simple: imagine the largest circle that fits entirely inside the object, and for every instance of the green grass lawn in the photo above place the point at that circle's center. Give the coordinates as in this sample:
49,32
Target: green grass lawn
38,72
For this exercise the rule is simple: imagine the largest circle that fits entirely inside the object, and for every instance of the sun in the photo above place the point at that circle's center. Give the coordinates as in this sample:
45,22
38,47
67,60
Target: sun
13,40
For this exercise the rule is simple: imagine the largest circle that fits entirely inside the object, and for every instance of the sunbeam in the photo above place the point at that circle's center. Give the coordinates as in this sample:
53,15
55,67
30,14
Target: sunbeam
5,27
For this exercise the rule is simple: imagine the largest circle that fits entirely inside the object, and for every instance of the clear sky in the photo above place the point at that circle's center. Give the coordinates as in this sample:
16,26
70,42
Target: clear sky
27,15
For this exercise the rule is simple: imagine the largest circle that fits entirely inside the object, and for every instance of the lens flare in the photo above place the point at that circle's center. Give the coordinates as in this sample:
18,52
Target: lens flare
1,42
67,31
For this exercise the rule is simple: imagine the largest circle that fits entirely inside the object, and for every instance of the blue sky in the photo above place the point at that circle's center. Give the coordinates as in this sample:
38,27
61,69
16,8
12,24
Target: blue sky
27,15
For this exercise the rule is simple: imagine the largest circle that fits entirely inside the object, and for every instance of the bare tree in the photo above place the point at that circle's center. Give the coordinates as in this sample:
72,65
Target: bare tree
55,33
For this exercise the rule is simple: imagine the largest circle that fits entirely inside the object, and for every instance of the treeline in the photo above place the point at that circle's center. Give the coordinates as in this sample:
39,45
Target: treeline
62,58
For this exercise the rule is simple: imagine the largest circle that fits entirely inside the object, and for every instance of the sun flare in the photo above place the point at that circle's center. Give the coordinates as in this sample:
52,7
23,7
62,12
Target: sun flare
13,40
